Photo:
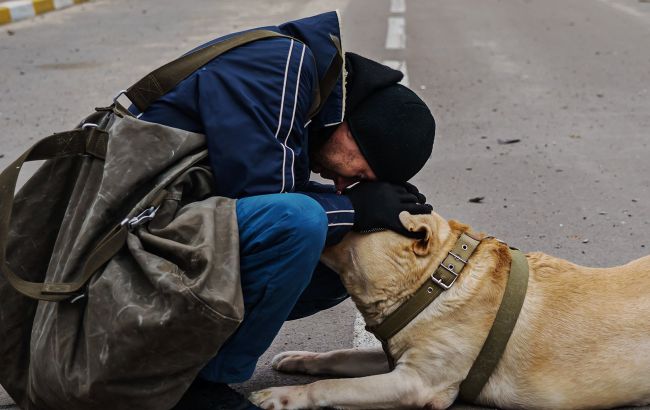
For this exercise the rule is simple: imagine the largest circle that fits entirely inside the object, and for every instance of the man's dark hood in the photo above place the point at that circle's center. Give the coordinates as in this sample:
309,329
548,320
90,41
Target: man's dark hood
360,76
365,77
316,32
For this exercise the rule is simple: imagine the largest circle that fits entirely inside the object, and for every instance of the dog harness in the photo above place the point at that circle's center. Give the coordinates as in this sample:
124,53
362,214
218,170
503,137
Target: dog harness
442,279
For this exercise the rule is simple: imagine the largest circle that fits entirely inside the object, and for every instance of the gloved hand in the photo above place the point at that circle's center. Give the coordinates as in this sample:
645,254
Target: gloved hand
377,206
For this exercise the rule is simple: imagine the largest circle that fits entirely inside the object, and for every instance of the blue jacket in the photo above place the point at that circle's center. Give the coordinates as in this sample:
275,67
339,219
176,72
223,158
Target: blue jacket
252,105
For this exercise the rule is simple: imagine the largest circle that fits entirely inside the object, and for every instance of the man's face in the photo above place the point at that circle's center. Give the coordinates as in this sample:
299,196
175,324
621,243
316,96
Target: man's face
340,160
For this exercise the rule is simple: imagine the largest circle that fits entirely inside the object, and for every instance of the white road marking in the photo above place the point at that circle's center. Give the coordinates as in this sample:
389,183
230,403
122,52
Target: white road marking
397,6
626,9
362,338
401,66
396,37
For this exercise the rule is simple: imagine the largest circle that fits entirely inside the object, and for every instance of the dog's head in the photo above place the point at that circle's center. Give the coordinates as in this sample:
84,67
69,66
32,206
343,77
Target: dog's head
381,267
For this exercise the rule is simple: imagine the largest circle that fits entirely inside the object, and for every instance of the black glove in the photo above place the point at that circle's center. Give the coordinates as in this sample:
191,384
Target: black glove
377,206
412,189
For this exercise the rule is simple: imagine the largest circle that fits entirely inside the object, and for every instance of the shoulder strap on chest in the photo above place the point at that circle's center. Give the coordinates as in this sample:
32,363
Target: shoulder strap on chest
162,80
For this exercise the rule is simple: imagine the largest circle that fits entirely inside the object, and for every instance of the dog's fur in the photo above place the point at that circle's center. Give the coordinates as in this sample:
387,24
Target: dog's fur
582,339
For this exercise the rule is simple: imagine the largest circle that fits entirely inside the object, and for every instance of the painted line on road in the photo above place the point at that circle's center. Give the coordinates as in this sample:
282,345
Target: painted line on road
397,6
395,40
396,37
626,9
362,338
23,9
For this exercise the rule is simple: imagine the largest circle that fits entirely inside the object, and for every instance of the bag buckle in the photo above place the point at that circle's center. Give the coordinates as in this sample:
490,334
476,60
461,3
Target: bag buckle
119,94
144,217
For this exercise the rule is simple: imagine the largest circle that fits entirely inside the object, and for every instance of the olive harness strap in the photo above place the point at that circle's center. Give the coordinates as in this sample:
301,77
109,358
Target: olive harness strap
93,141
504,323
442,279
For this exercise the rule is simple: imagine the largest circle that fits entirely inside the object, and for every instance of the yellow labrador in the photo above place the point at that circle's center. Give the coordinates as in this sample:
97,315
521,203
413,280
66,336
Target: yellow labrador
582,339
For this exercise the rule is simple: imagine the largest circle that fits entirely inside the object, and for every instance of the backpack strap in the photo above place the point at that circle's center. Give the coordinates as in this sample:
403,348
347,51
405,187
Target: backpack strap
328,82
162,80
81,141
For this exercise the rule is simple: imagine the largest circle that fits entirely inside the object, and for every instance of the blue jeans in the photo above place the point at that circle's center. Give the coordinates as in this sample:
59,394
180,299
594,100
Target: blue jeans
281,238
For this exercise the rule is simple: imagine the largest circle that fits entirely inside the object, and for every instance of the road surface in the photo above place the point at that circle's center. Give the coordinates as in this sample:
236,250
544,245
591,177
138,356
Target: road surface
542,109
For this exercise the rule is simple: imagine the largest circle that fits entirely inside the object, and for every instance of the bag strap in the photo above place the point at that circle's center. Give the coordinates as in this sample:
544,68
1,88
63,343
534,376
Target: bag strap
81,141
328,82
162,80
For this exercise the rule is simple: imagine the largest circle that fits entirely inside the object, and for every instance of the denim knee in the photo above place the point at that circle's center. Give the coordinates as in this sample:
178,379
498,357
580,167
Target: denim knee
303,222
282,232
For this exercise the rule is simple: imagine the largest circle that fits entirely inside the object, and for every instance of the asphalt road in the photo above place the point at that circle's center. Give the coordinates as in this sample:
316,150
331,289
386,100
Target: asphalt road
543,109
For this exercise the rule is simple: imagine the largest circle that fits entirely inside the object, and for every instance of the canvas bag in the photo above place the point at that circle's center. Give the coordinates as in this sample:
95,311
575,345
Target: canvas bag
119,268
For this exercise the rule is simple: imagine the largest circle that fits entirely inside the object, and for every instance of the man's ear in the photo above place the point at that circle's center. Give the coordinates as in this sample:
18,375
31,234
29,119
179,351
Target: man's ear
425,224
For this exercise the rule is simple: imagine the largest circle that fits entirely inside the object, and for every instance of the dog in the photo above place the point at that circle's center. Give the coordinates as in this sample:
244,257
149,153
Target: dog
581,341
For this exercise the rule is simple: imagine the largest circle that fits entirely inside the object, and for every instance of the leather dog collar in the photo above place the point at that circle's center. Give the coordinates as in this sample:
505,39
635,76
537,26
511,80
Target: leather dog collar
441,280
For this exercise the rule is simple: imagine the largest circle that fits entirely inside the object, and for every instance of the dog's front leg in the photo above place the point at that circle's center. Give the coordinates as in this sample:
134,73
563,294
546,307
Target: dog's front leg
340,363
393,390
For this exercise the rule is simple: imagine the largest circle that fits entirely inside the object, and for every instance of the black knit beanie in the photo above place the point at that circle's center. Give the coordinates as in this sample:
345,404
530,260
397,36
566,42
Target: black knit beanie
391,124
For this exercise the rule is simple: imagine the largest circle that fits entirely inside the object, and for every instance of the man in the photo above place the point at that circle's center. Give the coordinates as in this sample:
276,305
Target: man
253,103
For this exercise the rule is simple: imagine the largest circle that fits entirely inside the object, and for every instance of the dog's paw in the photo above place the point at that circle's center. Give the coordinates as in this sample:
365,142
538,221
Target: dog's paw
296,362
281,398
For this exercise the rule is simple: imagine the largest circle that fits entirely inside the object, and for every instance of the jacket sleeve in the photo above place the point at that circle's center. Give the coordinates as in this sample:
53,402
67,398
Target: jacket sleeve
339,210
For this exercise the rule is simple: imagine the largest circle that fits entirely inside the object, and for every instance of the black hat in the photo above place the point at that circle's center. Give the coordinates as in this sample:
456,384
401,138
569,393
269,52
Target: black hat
391,124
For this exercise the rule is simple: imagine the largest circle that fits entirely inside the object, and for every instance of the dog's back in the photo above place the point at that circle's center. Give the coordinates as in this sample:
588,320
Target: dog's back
583,334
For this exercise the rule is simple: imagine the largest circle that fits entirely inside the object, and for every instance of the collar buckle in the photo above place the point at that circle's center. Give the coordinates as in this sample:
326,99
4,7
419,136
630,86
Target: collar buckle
440,282
458,258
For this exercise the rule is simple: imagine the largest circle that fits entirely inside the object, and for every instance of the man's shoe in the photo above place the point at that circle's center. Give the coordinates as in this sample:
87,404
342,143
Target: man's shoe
205,395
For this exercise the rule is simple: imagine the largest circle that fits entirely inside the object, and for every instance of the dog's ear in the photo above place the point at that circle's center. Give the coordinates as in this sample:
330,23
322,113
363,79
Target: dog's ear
423,224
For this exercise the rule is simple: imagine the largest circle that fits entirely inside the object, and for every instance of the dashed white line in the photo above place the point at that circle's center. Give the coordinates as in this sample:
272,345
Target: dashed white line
401,66
396,37
395,40
397,6
362,338
626,9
